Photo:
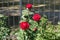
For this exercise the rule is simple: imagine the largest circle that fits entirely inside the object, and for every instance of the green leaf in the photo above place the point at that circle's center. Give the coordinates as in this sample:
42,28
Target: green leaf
1,15
26,12
20,35
33,24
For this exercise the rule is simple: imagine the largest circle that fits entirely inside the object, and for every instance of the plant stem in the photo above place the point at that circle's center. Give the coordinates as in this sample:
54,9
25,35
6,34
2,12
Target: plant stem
24,35
38,24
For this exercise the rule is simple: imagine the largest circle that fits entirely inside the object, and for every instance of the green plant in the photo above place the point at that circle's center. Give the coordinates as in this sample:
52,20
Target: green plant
35,27
4,30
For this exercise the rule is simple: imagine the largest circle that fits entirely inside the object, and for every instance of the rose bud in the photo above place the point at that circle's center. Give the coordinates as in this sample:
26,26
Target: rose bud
35,29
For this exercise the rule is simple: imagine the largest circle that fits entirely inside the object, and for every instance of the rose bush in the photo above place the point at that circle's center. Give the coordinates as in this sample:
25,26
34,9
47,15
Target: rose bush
35,27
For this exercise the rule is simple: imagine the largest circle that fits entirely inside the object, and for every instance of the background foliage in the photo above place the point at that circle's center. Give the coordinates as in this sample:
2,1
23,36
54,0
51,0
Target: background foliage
4,28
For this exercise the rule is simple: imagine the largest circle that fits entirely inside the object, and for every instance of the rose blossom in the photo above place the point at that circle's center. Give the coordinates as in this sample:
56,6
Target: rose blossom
29,6
36,17
24,25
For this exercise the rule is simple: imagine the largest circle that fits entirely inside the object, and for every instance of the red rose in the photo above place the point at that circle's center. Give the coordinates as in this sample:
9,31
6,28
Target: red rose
36,17
24,25
29,6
